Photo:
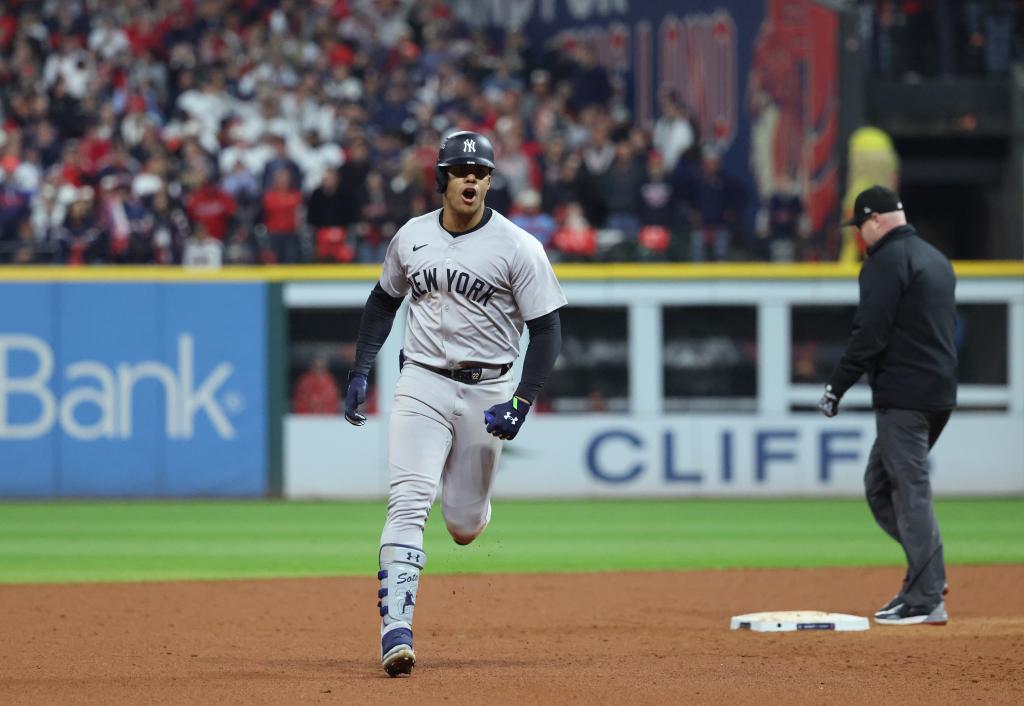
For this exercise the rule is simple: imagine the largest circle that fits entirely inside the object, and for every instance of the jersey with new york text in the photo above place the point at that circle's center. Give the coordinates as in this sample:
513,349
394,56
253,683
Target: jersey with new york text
469,294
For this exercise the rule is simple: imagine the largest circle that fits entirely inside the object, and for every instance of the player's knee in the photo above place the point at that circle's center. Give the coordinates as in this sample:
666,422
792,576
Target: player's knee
466,522
463,534
462,539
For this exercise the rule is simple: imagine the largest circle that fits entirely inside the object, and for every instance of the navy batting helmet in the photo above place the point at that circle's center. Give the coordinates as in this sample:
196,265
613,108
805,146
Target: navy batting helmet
464,147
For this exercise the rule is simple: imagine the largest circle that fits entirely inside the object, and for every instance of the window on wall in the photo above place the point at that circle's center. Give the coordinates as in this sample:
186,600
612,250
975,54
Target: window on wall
710,358
321,352
592,372
819,337
981,342
821,334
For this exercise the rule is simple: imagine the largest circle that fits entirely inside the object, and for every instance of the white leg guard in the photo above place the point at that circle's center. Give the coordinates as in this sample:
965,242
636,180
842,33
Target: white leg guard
399,575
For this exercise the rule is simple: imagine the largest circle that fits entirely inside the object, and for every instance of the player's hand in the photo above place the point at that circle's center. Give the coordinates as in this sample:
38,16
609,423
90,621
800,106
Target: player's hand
505,420
355,396
829,403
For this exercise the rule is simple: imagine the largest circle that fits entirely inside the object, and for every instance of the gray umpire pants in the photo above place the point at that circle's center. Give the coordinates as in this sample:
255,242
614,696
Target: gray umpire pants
899,493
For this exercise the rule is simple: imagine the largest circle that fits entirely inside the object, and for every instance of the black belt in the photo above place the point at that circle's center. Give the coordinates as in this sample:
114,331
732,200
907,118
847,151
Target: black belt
468,376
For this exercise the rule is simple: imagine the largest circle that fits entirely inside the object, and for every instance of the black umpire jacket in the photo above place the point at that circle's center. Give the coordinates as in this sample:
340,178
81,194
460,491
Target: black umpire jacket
903,332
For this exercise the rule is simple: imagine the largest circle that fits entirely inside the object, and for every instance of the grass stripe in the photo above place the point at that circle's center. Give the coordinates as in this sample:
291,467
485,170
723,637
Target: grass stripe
128,541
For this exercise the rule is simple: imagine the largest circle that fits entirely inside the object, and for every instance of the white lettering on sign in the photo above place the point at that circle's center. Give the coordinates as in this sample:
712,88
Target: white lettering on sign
110,390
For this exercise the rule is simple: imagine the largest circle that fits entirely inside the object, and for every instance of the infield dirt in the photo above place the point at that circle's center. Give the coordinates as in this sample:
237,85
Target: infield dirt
622,638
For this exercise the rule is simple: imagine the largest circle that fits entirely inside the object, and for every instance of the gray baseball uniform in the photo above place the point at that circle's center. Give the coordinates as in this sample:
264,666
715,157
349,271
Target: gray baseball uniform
470,297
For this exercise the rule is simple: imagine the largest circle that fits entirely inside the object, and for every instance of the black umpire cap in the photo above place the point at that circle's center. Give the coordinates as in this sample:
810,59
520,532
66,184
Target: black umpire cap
876,199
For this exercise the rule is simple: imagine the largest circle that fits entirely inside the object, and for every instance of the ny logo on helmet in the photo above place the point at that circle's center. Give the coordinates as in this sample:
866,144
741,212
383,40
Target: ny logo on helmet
469,146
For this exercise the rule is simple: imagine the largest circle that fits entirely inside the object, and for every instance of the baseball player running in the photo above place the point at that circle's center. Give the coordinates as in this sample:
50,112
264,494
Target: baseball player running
473,278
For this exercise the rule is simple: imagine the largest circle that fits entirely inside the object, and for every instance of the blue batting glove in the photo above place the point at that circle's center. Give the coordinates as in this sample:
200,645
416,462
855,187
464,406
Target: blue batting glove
829,403
355,396
505,420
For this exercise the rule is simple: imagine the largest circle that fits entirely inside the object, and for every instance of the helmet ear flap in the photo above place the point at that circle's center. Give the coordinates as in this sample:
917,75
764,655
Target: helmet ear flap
441,179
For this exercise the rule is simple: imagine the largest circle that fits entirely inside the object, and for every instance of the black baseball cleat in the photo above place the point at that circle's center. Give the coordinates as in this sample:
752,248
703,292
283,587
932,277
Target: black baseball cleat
902,614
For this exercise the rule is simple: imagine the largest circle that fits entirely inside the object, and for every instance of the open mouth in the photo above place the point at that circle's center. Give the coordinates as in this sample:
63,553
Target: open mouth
469,194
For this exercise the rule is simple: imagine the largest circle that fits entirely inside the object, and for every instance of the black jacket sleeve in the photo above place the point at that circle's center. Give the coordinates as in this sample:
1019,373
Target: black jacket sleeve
541,354
883,280
374,327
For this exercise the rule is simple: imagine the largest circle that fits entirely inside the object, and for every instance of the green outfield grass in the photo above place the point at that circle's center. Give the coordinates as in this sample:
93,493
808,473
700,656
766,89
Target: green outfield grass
128,541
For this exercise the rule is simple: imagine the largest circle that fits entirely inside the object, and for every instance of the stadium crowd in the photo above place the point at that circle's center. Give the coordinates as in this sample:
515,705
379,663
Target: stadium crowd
258,131
251,131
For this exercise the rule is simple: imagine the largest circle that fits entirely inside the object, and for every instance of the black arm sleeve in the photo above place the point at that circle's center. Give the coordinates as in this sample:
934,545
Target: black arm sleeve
541,354
881,287
374,327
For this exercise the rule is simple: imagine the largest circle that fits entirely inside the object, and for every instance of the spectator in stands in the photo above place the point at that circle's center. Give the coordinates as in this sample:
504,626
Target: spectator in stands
589,80
47,214
519,167
150,179
47,141
535,98
408,187
280,160
240,183
241,248
26,252
656,210
81,237
575,240
186,96
14,210
281,206
552,156
353,178
673,132
27,176
381,214
314,157
620,192
782,224
567,188
715,216
170,229
326,218
125,219
196,165
316,391
211,207
597,157
528,216
203,251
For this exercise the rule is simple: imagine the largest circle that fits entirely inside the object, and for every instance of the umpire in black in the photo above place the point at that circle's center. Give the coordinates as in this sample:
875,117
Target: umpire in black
903,338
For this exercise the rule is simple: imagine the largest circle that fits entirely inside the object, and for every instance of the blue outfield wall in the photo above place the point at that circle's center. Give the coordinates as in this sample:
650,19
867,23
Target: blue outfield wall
133,389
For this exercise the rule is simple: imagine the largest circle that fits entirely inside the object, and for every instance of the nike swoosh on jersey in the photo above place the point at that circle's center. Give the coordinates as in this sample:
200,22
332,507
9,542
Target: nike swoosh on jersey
417,247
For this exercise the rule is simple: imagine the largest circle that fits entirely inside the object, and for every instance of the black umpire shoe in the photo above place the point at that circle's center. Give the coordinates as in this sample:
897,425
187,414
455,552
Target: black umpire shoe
903,614
898,598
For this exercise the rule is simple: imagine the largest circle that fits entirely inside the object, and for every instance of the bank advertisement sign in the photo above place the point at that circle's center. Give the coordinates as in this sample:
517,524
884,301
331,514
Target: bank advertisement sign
125,389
